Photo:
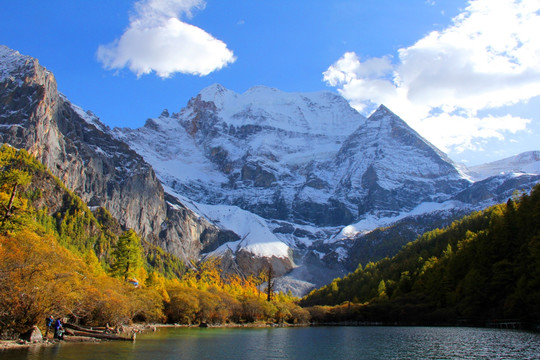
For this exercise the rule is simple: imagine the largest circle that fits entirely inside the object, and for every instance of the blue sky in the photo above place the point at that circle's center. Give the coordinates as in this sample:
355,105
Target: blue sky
464,74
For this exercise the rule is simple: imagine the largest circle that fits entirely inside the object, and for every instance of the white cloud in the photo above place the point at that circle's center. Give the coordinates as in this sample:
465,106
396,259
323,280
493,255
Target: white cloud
157,40
488,58
460,133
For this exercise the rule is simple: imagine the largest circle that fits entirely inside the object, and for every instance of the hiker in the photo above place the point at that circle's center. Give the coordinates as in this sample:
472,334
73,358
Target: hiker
58,329
48,323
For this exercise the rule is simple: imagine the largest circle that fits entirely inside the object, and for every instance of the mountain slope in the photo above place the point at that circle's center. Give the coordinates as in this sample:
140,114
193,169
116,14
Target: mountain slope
482,267
80,150
385,166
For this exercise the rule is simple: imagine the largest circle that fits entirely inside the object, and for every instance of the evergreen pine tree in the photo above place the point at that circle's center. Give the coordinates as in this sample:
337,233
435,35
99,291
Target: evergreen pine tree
127,255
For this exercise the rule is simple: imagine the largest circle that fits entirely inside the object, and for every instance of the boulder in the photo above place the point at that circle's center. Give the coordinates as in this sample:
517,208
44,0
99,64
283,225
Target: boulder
34,335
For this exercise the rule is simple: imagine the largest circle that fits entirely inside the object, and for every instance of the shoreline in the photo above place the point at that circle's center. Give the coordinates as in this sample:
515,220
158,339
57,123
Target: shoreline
132,329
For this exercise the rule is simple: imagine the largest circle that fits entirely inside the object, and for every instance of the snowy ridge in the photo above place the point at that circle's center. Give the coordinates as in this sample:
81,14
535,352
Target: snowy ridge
15,66
527,162
372,222
312,113
87,116
392,147
177,159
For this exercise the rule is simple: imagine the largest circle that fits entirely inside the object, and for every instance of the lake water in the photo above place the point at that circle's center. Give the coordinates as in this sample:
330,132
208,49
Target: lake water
303,343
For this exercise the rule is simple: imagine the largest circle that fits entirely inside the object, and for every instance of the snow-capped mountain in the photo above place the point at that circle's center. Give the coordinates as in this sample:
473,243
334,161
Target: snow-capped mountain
304,158
301,177
298,180
263,139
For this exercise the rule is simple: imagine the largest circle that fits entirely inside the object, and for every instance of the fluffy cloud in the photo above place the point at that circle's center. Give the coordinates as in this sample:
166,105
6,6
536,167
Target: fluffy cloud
488,58
157,40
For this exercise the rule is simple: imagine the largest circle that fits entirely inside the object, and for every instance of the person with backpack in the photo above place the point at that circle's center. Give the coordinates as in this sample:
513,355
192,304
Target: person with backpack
49,320
58,329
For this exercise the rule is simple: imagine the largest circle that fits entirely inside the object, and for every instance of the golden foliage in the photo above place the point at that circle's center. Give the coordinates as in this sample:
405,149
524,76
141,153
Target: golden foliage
207,295
40,277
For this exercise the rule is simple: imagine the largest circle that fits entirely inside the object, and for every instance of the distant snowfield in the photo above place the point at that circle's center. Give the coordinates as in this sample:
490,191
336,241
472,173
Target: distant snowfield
528,163
372,222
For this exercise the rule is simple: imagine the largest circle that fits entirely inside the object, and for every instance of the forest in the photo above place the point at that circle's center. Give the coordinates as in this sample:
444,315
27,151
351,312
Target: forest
484,267
61,259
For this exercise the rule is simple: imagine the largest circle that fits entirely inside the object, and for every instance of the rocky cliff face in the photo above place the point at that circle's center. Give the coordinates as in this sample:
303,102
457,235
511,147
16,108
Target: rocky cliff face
102,170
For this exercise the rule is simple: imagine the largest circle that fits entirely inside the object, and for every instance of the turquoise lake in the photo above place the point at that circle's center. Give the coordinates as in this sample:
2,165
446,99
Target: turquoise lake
303,343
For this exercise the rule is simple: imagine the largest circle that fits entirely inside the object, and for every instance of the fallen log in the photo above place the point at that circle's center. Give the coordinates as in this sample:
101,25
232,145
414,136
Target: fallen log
80,328
102,328
103,336
69,338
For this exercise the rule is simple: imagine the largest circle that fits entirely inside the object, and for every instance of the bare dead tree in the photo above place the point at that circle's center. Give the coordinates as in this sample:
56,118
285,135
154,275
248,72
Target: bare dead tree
270,286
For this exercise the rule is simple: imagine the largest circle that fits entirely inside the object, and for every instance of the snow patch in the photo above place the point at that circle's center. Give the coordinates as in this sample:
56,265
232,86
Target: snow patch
372,222
256,237
13,63
88,116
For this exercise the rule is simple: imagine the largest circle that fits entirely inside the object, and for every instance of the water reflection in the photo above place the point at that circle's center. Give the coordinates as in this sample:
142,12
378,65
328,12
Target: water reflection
303,343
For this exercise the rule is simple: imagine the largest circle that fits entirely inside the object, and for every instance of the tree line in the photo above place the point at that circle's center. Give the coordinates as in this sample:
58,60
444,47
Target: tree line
483,267
60,258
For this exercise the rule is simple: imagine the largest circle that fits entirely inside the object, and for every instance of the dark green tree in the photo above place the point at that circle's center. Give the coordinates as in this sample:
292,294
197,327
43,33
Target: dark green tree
16,169
127,255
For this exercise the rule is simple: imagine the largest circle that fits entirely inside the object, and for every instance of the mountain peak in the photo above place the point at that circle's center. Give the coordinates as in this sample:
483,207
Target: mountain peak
262,89
401,131
214,89
384,113
165,113
321,113
217,94
13,62
382,109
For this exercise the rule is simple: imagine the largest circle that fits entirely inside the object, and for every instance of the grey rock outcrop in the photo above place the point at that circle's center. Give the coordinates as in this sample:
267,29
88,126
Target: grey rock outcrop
80,150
